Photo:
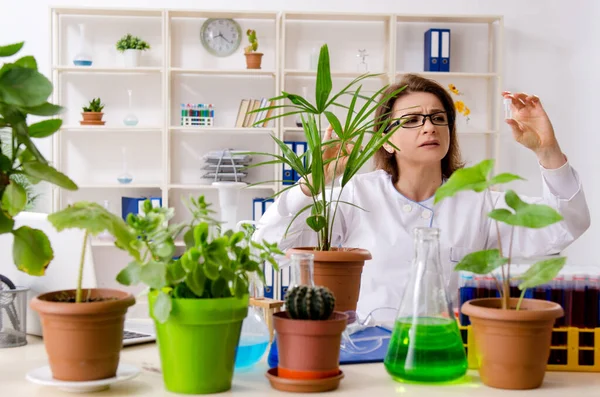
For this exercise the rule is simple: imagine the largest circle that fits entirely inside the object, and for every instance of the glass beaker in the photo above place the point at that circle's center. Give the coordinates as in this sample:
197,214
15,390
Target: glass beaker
426,345
125,177
84,54
254,339
130,118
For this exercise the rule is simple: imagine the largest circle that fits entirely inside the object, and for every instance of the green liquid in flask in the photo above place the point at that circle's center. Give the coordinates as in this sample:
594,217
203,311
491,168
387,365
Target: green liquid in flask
426,349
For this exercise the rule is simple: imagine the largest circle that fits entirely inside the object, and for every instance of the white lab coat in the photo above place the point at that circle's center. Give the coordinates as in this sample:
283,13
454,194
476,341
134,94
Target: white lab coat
385,228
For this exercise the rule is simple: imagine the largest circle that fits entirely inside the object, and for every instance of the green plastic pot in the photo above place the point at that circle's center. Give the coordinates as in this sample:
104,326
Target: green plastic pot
197,344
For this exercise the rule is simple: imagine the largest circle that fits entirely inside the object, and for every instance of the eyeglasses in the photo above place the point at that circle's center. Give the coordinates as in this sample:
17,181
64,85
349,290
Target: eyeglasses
418,120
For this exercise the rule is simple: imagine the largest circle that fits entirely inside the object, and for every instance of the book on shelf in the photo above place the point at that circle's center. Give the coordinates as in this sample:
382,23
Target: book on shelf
245,119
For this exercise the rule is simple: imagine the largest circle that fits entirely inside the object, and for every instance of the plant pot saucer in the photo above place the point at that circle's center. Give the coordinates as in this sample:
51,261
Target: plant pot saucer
92,122
303,385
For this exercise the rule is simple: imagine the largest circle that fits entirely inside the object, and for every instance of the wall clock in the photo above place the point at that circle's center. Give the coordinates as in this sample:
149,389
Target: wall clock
221,36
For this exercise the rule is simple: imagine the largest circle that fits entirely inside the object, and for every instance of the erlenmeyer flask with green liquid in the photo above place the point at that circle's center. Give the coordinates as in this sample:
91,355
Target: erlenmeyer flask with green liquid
426,345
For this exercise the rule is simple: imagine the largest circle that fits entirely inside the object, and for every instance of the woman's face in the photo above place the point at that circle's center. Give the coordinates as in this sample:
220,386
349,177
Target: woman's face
424,144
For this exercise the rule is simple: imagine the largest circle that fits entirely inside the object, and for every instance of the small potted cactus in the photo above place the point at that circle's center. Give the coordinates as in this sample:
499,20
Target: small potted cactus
92,113
309,334
253,58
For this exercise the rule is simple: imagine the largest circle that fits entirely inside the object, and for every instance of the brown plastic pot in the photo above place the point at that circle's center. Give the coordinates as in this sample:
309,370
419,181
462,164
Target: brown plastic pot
512,346
340,270
92,118
253,60
83,340
309,349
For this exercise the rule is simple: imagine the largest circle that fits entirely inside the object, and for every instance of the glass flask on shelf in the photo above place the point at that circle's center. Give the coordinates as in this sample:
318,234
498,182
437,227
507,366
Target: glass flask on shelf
84,53
426,345
125,177
130,118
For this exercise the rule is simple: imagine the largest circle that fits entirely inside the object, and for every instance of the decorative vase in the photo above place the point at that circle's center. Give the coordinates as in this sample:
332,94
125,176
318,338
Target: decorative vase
125,177
84,54
130,118
132,58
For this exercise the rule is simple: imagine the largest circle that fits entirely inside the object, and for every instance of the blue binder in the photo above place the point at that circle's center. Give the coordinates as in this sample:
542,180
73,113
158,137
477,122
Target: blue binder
444,50
300,149
432,51
289,175
134,205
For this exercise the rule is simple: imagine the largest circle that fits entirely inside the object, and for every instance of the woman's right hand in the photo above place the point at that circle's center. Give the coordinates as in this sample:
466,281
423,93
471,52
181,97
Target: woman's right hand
331,170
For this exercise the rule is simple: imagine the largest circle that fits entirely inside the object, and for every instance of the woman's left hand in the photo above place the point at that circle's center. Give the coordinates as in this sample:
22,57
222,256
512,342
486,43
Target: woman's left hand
532,128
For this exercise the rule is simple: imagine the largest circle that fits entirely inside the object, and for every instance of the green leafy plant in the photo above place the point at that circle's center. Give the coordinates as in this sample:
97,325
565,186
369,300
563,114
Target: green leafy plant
21,179
94,219
24,91
214,264
305,302
253,42
95,105
519,214
359,127
130,42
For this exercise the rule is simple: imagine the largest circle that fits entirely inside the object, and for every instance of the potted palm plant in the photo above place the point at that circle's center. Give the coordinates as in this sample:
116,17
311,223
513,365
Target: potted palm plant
199,300
309,334
337,268
512,335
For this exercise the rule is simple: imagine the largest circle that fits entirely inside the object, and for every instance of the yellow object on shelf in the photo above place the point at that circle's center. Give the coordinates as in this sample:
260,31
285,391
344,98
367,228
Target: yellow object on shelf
572,349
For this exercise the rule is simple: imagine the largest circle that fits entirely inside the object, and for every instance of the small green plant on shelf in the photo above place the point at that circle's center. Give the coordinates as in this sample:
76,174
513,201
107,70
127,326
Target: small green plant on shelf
252,40
95,106
519,214
305,302
130,42
215,264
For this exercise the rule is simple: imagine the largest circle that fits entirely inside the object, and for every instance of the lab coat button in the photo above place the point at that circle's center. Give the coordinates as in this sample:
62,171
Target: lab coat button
407,208
426,214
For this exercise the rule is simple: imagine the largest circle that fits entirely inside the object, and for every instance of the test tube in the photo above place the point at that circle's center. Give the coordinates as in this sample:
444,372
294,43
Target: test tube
591,302
558,292
507,111
578,301
467,291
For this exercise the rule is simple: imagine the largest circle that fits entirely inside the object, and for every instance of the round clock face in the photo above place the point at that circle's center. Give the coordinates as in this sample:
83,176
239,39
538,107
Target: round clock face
221,37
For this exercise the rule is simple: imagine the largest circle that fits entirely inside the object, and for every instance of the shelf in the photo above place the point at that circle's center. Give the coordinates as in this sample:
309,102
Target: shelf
334,73
338,16
211,187
221,130
449,18
93,129
225,72
451,74
108,69
108,12
120,186
222,14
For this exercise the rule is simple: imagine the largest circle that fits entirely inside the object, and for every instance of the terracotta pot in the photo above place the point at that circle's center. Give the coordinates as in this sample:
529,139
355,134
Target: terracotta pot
83,340
92,116
513,346
253,60
309,349
340,270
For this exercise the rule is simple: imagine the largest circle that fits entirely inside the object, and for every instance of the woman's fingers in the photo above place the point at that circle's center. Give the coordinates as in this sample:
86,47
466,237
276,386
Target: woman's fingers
328,133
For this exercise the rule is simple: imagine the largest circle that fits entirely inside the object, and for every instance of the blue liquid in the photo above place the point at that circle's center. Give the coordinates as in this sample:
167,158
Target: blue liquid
124,179
273,359
82,63
466,293
250,351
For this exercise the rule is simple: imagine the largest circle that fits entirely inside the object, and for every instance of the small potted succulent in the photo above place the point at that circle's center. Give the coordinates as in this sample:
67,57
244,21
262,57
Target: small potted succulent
92,113
309,335
132,47
253,58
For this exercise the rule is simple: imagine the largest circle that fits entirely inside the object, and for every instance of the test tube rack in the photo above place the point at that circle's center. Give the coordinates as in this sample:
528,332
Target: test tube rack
572,349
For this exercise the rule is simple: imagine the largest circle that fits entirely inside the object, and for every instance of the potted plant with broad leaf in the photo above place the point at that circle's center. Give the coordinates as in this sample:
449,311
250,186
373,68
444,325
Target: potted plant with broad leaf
132,47
512,335
309,334
83,329
253,58
199,300
337,268
92,113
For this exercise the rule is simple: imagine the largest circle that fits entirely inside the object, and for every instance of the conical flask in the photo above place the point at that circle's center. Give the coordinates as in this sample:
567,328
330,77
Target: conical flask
426,345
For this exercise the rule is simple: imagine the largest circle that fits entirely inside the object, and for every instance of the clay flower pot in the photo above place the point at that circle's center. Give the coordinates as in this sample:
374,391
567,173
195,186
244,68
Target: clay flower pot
92,118
83,340
513,346
253,60
309,349
340,270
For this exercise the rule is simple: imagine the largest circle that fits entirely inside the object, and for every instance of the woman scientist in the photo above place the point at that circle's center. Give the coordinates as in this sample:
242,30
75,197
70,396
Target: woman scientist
398,196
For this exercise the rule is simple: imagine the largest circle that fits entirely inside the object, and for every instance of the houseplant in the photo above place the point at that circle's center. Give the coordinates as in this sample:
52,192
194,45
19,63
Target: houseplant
199,300
337,268
83,330
512,334
253,58
92,113
132,47
23,92
309,334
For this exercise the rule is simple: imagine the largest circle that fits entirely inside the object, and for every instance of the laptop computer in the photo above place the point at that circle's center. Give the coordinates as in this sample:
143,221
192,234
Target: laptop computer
62,274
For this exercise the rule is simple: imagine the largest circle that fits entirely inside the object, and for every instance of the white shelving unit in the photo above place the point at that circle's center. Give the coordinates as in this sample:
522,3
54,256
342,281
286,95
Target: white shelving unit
165,158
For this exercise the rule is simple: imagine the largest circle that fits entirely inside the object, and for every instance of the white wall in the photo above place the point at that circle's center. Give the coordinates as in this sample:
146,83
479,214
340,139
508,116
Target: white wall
550,51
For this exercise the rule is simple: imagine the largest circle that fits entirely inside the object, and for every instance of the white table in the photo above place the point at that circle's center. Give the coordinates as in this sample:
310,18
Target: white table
365,380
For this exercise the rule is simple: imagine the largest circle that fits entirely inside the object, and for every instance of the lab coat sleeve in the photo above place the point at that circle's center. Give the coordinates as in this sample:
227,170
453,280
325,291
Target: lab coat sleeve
274,222
561,190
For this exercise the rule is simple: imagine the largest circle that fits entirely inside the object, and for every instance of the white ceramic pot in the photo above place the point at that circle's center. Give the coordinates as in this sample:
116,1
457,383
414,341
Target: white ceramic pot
132,58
